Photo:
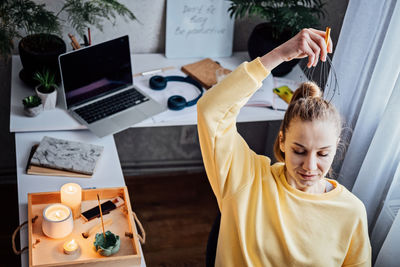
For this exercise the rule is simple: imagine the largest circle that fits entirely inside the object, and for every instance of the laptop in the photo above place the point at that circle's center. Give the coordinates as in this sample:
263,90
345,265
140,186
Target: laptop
98,88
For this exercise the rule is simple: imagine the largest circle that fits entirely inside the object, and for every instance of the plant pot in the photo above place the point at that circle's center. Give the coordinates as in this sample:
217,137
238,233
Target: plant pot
39,52
49,100
34,111
261,41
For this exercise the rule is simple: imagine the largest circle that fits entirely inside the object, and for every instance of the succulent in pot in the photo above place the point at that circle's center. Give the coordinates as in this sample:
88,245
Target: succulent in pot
32,105
47,88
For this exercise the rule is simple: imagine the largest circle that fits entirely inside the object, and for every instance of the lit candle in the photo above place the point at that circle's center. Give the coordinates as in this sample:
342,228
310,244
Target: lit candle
57,221
71,195
70,247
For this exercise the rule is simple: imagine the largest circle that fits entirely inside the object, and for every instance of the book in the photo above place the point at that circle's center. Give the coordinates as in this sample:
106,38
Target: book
63,157
265,97
37,170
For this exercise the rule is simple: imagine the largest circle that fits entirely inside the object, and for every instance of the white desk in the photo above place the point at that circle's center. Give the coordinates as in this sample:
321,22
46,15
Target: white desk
59,119
108,172
56,122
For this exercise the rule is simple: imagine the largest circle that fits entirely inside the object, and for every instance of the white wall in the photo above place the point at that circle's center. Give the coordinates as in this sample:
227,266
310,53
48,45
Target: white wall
147,33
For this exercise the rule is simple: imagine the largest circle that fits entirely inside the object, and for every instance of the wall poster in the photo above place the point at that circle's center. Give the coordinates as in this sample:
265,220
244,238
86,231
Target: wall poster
198,28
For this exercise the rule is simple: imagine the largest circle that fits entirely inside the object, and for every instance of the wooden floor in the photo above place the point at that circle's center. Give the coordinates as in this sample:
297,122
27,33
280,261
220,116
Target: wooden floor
177,212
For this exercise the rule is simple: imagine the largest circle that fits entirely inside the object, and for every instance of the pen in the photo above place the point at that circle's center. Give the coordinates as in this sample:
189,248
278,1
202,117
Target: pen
74,42
93,187
73,46
151,72
89,36
85,40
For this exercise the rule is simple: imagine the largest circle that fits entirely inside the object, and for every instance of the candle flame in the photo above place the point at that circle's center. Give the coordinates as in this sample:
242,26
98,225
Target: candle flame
72,242
58,214
71,245
70,189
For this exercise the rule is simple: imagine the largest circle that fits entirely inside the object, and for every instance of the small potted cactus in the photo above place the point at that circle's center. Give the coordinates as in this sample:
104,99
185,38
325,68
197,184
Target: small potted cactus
32,105
47,88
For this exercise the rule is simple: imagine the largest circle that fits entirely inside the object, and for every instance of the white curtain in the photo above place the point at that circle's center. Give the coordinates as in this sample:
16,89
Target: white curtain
389,254
367,63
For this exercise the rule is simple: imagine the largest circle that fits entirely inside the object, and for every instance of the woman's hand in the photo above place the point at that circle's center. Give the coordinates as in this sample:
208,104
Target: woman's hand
307,43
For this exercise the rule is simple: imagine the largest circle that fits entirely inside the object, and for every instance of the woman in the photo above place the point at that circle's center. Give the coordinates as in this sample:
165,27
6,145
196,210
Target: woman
286,214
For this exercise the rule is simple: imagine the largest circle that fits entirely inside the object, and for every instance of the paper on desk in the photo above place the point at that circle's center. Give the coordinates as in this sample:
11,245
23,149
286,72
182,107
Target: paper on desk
188,91
264,97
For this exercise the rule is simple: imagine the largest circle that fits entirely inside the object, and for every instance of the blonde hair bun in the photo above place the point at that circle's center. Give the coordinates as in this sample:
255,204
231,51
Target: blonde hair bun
307,89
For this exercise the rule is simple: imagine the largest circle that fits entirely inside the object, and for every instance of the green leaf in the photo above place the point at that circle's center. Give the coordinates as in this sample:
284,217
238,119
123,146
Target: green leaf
83,14
31,101
46,80
283,15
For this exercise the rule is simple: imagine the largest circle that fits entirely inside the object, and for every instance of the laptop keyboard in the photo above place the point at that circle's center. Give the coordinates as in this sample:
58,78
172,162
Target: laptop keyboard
111,105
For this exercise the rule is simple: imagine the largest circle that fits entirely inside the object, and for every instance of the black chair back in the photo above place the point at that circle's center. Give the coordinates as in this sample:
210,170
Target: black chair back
212,242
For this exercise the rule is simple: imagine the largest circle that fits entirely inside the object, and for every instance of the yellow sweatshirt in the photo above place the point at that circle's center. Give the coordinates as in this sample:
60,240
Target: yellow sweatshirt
265,221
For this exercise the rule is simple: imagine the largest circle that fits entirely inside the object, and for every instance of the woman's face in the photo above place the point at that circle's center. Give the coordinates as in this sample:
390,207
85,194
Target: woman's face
309,148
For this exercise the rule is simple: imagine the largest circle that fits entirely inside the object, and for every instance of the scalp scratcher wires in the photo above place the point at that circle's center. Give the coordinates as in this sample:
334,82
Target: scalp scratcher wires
327,77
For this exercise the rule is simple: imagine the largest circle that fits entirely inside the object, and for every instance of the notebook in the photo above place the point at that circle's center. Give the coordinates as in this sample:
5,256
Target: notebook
61,157
98,91
40,170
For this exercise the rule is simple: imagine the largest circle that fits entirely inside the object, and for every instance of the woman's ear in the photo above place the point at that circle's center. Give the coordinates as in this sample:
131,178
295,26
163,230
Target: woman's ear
281,143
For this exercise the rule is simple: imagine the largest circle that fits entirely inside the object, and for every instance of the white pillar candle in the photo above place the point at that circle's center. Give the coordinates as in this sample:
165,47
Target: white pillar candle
71,195
57,221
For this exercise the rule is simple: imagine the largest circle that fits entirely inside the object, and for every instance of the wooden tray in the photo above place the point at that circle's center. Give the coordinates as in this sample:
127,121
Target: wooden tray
49,252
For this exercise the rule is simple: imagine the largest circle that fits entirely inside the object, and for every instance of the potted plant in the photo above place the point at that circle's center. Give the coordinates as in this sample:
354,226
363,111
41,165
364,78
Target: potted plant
42,44
283,19
32,105
46,89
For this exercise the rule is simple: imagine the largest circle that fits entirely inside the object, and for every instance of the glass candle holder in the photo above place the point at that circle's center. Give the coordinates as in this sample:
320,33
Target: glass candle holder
70,247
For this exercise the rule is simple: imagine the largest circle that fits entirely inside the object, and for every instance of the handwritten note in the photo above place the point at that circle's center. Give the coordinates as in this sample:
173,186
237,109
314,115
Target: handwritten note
198,28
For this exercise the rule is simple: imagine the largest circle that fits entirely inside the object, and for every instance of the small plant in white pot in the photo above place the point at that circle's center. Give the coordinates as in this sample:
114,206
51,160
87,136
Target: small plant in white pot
32,105
47,88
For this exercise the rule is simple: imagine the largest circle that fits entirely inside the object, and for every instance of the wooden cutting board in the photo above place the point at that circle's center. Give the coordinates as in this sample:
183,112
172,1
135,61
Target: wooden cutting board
204,71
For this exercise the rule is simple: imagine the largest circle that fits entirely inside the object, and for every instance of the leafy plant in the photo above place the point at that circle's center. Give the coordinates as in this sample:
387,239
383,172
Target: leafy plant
47,81
16,15
282,15
26,16
31,101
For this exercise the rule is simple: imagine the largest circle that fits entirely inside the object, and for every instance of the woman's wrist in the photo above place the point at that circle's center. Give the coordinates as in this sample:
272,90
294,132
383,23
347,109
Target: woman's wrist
271,59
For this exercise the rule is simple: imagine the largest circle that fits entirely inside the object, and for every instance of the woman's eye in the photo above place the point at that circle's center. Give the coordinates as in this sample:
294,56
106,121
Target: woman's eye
298,152
323,154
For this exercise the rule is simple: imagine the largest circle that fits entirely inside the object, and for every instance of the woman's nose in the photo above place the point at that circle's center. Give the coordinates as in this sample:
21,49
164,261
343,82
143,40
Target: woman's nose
310,163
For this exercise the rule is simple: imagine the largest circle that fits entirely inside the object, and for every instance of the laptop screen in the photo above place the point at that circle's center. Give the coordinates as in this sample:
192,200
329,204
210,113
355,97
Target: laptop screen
94,71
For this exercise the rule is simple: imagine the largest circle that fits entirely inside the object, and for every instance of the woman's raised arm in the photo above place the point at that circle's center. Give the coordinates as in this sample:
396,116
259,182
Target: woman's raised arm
307,43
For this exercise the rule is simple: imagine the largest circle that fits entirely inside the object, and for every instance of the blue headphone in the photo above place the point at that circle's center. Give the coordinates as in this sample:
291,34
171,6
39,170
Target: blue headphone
175,102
